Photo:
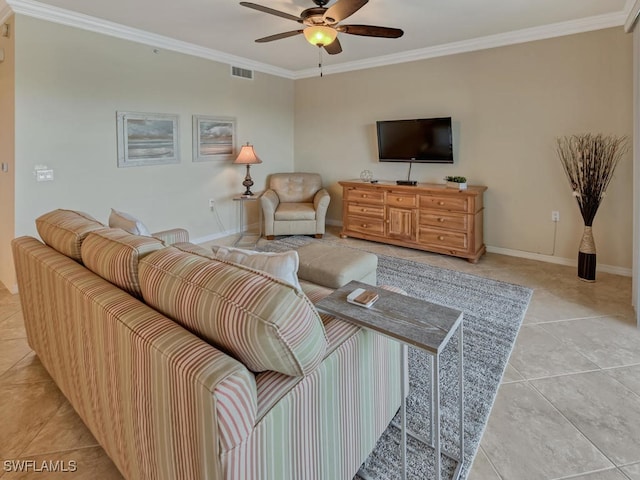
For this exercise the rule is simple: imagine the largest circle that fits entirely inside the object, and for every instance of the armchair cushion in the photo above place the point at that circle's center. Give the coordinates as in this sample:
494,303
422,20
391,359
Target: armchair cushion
295,211
295,187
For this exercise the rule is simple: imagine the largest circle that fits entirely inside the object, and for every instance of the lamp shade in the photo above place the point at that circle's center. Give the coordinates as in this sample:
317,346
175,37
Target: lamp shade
320,35
247,156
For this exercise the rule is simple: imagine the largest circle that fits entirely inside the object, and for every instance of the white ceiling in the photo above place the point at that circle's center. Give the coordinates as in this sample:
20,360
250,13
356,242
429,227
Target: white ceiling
221,28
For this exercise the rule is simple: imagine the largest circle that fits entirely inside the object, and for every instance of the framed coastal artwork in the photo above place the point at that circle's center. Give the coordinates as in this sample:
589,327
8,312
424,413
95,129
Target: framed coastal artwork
147,139
214,138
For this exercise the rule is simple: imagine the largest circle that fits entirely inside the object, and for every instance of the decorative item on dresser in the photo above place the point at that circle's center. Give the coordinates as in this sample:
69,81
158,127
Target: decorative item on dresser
426,217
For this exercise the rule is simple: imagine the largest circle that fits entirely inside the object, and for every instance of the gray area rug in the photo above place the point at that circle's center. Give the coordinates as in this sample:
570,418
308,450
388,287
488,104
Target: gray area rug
493,313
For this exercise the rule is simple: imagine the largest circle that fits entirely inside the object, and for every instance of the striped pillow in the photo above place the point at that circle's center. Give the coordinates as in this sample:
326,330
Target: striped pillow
260,320
64,230
113,254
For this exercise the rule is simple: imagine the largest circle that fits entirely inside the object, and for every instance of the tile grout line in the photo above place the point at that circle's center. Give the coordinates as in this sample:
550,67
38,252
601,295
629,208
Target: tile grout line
574,426
490,460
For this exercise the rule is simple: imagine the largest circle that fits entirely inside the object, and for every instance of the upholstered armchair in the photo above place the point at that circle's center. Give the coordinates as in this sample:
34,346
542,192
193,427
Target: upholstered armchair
294,204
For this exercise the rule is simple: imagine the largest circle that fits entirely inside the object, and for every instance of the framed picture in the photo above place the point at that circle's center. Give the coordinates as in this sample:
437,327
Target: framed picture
147,139
214,138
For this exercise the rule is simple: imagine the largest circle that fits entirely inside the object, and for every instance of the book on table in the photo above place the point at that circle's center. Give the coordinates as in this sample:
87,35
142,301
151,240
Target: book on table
362,297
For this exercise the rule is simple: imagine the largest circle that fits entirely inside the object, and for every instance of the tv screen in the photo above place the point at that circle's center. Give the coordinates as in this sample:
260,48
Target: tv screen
427,140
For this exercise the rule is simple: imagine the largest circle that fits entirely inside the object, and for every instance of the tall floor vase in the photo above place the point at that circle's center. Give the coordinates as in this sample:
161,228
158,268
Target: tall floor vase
587,256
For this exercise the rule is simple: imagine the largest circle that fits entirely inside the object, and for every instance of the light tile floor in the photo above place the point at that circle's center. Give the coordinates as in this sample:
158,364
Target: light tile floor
568,407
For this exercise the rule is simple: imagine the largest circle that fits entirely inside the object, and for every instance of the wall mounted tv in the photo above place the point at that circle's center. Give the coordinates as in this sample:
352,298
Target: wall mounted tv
424,140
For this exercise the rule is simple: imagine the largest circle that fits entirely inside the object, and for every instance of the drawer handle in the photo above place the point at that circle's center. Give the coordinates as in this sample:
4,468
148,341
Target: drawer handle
440,237
363,210
399,199
440,202
441,220
364,225
364,195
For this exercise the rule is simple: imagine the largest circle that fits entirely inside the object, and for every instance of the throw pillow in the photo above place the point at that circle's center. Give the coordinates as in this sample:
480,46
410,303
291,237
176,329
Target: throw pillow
283,266
128,223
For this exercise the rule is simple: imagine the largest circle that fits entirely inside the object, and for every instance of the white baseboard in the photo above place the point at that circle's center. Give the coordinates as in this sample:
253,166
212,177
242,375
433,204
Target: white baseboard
557,260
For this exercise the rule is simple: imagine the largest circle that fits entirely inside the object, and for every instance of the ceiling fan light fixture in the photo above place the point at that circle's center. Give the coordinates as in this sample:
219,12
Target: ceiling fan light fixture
320,35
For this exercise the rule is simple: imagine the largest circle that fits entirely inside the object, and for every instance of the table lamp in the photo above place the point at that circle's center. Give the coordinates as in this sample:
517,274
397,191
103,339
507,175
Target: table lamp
248,157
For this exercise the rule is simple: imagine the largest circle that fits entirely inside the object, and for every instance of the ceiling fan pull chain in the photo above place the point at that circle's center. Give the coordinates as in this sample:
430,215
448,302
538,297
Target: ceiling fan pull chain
320,59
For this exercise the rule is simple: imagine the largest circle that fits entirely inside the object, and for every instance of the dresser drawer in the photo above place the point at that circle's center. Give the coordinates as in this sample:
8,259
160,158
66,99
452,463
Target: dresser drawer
443,238
365,196
401,200
445,202
365,210
447,220
365,225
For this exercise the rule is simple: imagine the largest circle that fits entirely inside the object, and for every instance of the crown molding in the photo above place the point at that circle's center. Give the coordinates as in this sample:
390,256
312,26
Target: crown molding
633,11
491,41
5,11
73,19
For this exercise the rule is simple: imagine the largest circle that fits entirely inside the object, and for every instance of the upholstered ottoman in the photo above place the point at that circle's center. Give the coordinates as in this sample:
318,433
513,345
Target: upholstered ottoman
334,266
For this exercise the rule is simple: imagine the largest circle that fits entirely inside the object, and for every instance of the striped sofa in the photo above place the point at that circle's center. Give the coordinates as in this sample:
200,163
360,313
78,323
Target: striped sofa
185,367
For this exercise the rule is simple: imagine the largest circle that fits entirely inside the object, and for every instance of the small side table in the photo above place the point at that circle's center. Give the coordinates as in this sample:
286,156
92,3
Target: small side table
424,325
254,237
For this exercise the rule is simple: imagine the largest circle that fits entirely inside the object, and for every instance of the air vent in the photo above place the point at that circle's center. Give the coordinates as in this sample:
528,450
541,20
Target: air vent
242,73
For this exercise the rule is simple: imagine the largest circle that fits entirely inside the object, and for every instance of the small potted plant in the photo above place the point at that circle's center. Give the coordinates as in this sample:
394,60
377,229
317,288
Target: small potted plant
456,182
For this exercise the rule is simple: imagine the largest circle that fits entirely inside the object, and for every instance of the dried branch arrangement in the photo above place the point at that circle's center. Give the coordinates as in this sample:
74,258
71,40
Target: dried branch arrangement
589,162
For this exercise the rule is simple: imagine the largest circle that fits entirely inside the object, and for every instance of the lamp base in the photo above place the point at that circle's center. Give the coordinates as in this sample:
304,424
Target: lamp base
248,183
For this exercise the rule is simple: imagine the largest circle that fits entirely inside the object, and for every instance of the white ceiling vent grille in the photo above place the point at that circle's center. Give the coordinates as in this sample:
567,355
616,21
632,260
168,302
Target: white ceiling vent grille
242,73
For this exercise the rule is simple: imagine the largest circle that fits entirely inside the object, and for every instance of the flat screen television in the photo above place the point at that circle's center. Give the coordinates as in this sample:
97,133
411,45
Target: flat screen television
424,140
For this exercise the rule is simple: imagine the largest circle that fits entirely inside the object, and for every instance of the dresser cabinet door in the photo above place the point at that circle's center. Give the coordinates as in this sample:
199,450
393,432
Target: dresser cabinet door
401,223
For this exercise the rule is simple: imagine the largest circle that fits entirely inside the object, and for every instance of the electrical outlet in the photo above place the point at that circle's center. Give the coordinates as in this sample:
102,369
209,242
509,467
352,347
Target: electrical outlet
212,202
555,216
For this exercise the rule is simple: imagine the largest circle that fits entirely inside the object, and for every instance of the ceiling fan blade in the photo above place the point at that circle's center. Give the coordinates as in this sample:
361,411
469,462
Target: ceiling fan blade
278,36
370,31
343,9
334,47
272,11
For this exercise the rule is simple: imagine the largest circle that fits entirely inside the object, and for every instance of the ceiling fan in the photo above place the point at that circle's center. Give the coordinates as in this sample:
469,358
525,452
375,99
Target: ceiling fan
321,24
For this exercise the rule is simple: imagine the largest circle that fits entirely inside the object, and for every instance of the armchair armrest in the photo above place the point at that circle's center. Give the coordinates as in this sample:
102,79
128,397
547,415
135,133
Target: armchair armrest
173,235
321,200
269,201
321,204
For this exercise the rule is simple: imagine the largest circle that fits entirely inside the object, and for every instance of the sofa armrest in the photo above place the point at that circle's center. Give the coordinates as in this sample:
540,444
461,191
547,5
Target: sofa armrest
171,236
269,201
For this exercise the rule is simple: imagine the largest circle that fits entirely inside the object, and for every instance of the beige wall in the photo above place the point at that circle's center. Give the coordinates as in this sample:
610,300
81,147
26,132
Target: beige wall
7,88
508,105
69,85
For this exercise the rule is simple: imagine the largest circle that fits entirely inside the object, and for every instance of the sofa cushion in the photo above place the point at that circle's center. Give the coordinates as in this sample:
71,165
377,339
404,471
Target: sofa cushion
113,254
260,320
128,223
65,230
282,265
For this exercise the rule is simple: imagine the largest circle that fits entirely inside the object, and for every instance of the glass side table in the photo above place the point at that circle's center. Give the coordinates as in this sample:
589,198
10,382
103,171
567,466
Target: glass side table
248,239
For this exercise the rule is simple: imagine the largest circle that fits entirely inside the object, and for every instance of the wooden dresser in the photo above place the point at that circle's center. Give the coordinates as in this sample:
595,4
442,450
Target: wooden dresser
427,217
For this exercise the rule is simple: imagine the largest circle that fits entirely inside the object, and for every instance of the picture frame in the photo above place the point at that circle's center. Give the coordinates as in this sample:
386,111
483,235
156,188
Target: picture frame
214,138
147,139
